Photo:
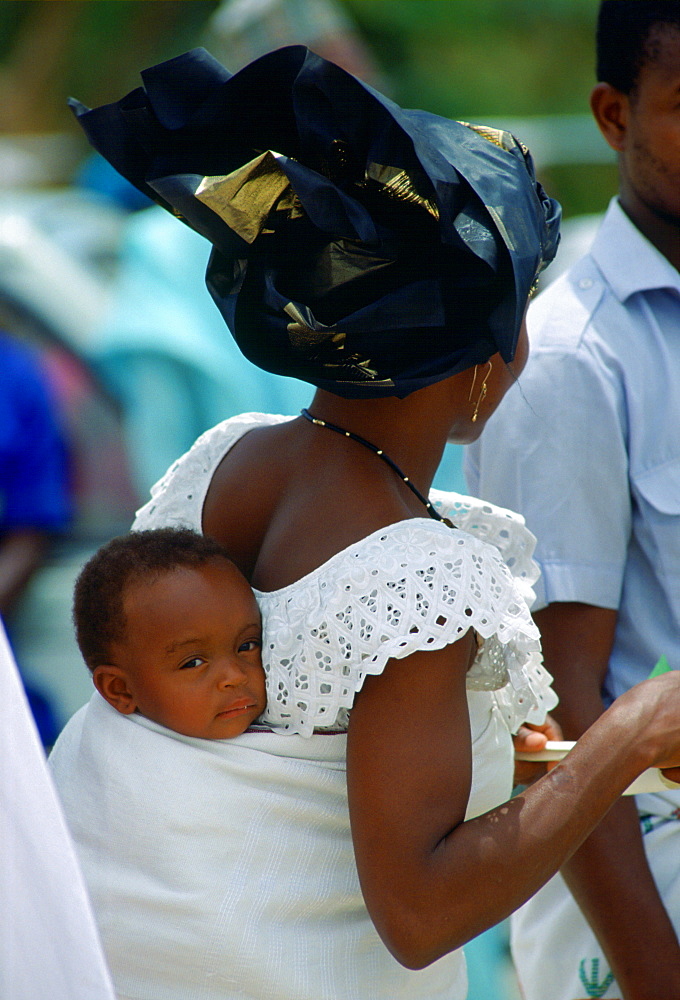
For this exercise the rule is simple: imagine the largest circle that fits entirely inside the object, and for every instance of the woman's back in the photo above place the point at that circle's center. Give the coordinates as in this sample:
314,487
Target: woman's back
288,497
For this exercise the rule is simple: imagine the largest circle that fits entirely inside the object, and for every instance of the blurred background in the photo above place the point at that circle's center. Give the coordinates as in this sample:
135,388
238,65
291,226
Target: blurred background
102,304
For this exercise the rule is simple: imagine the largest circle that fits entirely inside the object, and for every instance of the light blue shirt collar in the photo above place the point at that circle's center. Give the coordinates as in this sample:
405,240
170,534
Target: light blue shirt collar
627,259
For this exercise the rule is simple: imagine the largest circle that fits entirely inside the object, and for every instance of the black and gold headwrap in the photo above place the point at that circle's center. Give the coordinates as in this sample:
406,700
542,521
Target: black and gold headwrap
358,246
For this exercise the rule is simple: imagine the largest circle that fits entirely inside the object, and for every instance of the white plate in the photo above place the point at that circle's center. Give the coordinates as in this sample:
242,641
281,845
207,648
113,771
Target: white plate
651,780
553,750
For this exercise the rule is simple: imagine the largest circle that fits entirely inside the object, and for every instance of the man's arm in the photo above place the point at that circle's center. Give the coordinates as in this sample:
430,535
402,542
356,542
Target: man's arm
609,875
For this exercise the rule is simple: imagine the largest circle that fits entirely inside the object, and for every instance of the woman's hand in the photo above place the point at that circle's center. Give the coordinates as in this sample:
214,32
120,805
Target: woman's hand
662,733
532,739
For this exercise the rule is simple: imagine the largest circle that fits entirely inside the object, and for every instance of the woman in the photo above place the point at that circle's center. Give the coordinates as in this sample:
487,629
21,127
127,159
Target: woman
386,257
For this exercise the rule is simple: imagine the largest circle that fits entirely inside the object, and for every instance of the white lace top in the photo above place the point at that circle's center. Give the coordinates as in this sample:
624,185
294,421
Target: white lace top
413,585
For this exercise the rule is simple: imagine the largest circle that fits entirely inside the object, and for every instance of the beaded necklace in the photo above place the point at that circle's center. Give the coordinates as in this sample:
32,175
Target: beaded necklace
386,458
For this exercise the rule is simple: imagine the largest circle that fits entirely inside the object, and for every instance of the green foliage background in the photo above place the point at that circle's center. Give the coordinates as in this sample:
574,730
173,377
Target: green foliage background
483,60
484,56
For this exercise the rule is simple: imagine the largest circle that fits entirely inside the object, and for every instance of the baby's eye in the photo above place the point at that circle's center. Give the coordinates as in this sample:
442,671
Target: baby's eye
195,661
249,645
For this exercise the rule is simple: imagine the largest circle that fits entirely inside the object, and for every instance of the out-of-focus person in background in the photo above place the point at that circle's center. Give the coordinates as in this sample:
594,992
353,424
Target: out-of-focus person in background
162,350
587,448
242,30
35,495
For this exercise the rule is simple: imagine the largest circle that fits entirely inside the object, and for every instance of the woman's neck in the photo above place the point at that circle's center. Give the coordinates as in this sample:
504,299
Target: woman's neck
305,493
411,432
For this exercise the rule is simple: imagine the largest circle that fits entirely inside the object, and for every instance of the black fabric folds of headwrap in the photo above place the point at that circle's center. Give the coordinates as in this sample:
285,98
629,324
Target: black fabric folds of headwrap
358,246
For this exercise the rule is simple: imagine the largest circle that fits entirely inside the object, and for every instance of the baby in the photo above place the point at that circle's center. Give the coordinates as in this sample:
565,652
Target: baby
170,628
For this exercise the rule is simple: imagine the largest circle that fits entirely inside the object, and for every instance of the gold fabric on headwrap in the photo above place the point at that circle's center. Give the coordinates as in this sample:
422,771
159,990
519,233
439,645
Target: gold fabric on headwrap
307,339
326,344
399,185
246,197
340,263
499,137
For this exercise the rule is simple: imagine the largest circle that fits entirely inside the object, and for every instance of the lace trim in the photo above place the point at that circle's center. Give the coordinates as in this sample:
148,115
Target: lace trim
529,694
411,586
504,529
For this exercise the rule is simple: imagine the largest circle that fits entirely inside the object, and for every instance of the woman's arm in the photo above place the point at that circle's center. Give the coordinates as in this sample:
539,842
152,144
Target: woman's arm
431,881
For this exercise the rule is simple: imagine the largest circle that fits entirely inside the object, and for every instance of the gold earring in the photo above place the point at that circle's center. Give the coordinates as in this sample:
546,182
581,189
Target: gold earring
482,392
472,387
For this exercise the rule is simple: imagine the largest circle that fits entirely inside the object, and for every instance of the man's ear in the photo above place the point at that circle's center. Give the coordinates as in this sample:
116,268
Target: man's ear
611,109
112,684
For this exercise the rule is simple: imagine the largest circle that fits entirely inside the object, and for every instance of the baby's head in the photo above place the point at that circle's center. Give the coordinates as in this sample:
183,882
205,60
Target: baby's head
170,628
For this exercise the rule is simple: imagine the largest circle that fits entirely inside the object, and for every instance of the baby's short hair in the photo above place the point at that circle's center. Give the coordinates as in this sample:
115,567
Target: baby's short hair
98,614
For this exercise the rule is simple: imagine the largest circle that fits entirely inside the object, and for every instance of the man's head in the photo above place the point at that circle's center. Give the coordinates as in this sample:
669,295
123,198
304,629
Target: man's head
637,107
628,33
171,629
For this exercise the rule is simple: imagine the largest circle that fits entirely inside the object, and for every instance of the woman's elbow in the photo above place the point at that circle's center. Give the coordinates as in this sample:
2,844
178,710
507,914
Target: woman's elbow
413,958
413,942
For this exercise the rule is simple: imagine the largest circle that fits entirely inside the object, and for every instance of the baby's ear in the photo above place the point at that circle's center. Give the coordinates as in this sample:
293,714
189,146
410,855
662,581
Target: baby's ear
112,684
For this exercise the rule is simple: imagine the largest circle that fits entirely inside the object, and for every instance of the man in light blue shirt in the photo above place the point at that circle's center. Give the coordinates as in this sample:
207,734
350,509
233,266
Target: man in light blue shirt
601,392
587,447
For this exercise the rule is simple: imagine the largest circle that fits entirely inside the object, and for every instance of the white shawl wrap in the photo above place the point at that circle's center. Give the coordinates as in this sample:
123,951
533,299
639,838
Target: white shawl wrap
224,869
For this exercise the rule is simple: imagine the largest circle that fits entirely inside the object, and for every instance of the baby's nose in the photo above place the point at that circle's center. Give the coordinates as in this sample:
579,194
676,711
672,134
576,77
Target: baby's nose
231,674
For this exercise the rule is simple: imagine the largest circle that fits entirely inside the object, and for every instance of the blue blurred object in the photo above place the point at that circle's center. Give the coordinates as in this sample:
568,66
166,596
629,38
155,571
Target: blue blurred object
34,490
35,498
490,973
97,176
43,714
450,475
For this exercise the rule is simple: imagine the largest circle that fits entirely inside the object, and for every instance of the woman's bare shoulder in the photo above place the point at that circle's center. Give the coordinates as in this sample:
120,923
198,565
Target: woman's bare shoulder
282,507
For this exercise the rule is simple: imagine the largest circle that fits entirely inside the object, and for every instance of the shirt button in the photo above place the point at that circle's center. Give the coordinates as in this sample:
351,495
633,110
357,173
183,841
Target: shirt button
585,283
